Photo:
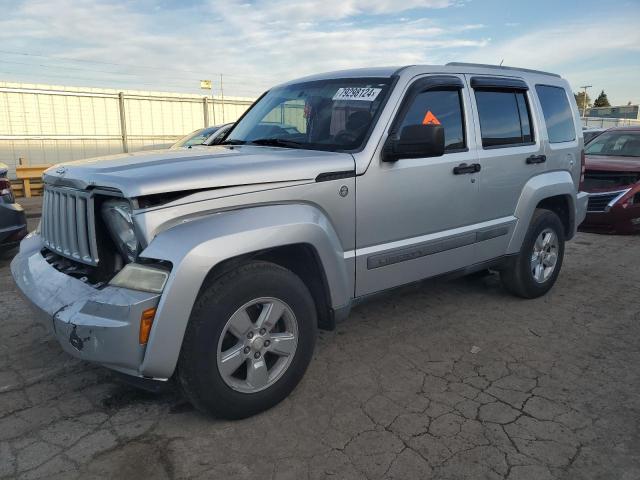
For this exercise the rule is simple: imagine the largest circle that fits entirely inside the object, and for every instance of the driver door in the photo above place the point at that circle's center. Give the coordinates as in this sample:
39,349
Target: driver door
415,217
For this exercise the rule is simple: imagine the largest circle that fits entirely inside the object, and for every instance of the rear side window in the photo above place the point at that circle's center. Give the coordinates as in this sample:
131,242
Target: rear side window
505,119
557,113
442,107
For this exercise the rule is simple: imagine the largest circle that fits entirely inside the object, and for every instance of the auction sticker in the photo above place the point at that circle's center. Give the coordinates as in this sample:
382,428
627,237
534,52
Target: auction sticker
366,94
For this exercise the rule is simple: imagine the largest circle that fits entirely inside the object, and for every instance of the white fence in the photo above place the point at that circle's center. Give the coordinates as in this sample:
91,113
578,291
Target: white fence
595,122
44,124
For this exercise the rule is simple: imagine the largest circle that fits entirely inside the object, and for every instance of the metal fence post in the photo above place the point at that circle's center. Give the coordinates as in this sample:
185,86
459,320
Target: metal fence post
123,122
205,111
222,97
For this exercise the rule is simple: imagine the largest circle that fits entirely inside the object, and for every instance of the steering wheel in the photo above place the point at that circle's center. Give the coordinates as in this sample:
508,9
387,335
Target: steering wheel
345,136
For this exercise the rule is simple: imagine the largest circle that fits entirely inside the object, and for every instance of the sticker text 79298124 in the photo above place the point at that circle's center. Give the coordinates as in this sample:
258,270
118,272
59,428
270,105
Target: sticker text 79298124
366,94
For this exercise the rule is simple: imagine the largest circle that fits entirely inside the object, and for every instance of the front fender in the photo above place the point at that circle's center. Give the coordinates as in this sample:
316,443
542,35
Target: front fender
538,188
198,245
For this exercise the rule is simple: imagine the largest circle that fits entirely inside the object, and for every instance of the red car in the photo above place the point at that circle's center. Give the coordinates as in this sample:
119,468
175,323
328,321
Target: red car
612,178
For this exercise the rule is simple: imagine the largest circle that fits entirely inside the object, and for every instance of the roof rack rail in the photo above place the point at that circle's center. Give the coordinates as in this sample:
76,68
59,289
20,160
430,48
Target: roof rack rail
500,67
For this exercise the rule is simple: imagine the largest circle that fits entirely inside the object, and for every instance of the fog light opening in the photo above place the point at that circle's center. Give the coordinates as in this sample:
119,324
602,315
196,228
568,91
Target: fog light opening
146,321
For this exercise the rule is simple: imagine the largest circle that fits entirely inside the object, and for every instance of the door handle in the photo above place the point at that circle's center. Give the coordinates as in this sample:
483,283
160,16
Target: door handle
464,168
536,159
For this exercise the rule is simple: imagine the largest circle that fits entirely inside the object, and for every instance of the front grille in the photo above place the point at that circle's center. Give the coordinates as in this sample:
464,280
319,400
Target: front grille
601,180
68,226
601,202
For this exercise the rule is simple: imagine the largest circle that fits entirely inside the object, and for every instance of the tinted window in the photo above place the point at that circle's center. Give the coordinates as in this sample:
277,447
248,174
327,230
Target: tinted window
439,106
557,113
504,118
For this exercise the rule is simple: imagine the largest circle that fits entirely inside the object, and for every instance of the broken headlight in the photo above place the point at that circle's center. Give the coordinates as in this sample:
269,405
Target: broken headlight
141,277
117,216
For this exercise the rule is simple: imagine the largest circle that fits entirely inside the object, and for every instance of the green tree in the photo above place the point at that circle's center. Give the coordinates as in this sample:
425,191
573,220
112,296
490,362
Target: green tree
602,100
580,100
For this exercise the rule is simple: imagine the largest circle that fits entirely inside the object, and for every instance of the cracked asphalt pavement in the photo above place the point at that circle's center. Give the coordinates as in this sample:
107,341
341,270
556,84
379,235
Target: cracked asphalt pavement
394,392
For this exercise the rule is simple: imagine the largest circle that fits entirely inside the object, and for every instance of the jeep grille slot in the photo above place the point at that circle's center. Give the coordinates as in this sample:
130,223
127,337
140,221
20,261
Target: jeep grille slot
68,226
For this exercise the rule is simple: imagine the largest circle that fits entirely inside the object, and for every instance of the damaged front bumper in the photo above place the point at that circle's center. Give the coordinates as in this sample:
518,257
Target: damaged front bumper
99,325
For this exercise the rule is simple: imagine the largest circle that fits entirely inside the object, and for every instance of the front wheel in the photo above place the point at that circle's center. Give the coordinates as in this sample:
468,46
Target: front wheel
250,338
535,270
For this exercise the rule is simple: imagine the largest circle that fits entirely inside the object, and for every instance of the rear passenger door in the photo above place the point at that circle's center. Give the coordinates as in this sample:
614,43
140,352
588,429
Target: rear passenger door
509,148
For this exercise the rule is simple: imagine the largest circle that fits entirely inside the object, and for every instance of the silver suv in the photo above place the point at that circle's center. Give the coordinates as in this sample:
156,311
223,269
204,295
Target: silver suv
215,267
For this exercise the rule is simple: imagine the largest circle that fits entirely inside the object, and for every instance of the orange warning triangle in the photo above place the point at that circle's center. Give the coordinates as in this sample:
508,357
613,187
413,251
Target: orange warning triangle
430,119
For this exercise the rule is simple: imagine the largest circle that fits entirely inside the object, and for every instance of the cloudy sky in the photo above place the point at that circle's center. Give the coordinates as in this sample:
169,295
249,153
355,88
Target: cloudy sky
171,45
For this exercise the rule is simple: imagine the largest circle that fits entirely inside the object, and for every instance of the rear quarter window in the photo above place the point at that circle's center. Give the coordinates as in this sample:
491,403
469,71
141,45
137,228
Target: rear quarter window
557,113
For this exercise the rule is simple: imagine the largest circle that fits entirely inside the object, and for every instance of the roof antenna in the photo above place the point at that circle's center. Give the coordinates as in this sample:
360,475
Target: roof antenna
501,61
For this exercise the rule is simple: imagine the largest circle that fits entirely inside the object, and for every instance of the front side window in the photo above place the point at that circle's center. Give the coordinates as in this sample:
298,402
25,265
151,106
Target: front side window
442,107
332,115
505,119
557,113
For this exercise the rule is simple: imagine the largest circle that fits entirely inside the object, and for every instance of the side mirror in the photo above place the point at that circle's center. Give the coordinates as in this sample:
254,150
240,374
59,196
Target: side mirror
415,141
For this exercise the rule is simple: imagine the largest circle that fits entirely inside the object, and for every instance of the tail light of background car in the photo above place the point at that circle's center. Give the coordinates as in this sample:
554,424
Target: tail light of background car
583,168
6,194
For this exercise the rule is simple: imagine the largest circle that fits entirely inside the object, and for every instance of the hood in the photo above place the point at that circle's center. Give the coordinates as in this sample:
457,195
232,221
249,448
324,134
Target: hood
164,171
612,164
608,173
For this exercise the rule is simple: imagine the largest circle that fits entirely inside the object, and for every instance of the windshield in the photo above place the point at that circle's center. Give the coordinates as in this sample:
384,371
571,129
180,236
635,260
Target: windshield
619,144
195,138
331,115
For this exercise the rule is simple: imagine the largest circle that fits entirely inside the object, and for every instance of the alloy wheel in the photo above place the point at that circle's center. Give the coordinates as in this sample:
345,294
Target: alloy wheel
545,255
257,345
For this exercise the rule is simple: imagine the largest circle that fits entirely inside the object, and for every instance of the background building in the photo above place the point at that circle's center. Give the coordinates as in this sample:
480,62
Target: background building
626,111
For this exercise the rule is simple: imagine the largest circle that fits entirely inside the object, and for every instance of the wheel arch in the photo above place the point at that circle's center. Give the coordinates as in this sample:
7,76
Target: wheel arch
204,248
554,191
560,205
300,258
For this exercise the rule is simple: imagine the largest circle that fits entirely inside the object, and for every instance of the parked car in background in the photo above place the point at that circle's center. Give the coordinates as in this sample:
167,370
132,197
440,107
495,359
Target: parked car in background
203,136
591,133
612,178
215,266
13,223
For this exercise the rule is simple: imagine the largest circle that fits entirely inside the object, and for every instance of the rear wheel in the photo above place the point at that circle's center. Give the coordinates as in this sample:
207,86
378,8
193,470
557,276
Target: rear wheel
535,270
250,338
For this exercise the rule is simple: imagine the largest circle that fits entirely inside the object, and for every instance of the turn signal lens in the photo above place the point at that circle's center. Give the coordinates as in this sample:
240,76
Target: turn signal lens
146,320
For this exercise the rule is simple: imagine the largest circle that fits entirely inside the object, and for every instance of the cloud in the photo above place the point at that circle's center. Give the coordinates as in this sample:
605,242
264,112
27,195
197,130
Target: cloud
604,54
255,44
339,9
564,44
171,45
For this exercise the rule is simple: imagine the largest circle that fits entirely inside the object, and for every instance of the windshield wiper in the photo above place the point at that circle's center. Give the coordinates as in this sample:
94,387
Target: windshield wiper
231,142
276,142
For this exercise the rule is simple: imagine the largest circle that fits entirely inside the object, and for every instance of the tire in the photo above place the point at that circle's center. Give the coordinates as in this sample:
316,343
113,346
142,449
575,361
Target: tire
519,277
225,323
